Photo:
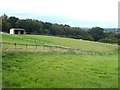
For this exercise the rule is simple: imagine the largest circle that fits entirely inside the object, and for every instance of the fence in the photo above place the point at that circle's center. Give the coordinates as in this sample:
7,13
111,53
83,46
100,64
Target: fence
7,45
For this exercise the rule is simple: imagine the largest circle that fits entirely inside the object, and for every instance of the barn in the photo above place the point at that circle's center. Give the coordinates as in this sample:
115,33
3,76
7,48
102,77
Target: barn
17,31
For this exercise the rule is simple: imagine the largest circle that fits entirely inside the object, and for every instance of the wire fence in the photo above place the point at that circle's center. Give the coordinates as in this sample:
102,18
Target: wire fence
38,47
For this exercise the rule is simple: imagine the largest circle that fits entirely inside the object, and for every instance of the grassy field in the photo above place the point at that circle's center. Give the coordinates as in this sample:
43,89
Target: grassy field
22,69
59,70
67,42
74,43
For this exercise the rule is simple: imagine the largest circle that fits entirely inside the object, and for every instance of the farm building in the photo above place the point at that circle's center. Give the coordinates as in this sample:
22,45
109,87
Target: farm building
17,31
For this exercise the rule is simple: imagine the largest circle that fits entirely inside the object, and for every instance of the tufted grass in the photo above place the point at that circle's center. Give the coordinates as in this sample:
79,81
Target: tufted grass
43,69
58,70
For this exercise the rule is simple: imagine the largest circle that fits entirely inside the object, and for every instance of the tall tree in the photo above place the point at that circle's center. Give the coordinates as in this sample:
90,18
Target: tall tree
12,21
97,33
5,24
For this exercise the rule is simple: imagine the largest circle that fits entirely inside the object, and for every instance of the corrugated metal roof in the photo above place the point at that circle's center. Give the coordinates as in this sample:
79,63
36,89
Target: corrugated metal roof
17,28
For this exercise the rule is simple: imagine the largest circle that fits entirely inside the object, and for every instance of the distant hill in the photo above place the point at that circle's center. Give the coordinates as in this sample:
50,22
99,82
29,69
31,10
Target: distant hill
105,29
111,29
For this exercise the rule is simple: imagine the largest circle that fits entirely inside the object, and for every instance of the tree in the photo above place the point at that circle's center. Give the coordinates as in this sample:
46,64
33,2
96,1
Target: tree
12,21
4,17
118,38
97,33
5,24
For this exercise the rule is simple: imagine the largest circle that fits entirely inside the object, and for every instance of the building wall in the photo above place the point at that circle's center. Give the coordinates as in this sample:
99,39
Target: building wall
11,31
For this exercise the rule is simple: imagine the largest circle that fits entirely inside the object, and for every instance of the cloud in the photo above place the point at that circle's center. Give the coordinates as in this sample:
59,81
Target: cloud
82,10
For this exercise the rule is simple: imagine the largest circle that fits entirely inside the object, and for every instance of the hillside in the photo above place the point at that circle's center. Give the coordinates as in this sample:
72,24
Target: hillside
32,26
67,42
33,69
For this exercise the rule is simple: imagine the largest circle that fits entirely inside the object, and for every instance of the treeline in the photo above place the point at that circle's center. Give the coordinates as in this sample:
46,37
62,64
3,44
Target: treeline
33,26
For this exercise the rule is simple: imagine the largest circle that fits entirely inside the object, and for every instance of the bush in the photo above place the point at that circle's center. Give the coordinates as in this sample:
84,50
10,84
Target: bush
109,40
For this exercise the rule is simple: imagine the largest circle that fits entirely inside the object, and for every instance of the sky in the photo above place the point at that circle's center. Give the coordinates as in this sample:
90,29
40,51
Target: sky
76,13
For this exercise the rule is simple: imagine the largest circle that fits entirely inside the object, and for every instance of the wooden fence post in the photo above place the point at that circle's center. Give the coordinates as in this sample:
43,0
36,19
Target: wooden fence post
36,46
26,46
15,45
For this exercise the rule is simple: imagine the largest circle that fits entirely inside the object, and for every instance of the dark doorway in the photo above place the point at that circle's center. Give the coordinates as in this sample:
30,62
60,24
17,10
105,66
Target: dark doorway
16,31
21,32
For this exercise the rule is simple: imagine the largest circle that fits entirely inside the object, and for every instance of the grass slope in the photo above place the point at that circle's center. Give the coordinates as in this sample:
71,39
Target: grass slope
67,42
53,70
59,70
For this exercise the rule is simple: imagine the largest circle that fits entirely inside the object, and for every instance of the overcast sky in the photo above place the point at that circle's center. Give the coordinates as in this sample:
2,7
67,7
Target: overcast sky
79,13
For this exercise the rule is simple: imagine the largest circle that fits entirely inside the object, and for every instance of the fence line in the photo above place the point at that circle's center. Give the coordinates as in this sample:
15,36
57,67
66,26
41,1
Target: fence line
43,46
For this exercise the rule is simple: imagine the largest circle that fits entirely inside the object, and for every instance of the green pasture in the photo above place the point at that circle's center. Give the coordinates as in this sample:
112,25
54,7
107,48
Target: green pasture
37,69
57,70
67,42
